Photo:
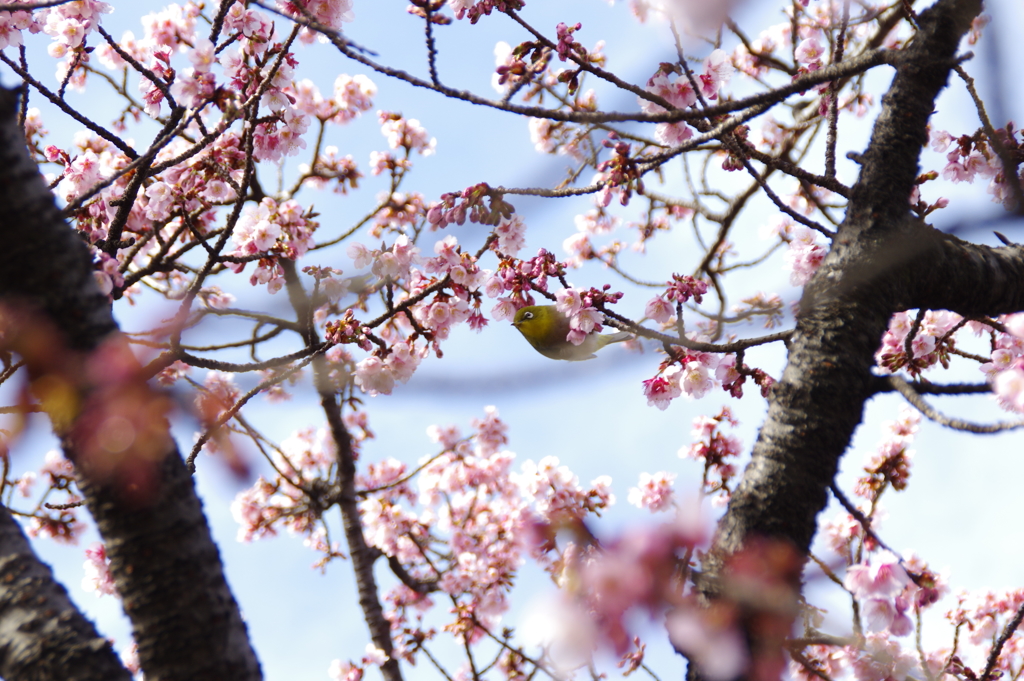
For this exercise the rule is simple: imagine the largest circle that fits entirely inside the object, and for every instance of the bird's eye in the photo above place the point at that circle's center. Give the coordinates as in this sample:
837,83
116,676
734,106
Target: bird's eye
528,315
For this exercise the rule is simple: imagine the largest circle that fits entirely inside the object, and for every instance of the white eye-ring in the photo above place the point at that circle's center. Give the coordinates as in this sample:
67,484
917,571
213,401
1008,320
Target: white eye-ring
528,315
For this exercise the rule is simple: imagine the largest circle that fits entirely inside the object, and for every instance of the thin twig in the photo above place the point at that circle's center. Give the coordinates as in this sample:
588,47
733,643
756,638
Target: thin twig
908,392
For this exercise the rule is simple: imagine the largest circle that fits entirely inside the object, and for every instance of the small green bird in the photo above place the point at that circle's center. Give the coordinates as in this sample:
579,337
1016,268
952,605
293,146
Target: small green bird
547,329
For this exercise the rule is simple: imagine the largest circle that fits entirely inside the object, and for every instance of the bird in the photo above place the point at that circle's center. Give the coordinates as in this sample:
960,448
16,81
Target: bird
546,329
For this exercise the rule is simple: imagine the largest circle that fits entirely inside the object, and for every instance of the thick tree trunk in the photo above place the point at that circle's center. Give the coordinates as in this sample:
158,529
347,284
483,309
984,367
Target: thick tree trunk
882,261
165,564
42,633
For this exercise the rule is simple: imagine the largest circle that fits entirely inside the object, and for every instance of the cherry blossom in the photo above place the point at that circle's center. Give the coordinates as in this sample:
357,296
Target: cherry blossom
662,389
804,256
653,492
97,573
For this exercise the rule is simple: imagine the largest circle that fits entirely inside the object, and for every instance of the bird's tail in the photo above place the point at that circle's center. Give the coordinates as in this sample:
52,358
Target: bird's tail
616,337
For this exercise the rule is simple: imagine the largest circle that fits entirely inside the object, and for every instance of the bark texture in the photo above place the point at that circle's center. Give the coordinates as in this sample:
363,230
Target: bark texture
883,260
166,566
42,634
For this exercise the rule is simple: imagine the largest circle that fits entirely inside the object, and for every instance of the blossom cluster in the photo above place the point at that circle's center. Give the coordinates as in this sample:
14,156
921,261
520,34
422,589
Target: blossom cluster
890,464
456,207
969,157
682,89
518,278
1005,369
931,344
890,591
715,449
934,342
268,231
53,521
804,255
695,374
459,525
284,501
182,199
474,9
621,172
580,307
680,290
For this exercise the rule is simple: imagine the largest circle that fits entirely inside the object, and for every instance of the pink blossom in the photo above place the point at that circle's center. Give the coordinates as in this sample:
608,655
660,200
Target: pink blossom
63,528
361,255
939,139
882,577
97,571
202,56
696,381
268,271
809,51
218,395
717,72
568,301
447,251
491,432
344,671
542,134
887,614
659,309
678,92
374,655
955,171
276,100
880,659
579,248
726,372
10,33
352,95
1001,359
1008,387
446,436
841,531
804,255
503,309
586,321
511,235
25,483
494,285
1014,324
57,468
330,13
402,361
673,134
405,133
264,234
406,252
107,273
653,492
374,377
82,173
661,390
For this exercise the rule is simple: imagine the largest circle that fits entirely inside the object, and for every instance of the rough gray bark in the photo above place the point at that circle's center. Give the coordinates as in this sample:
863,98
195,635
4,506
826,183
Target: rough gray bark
42,633
166,566
882,261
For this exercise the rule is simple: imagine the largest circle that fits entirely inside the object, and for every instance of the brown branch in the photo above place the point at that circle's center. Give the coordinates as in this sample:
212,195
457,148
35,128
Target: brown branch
911,395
